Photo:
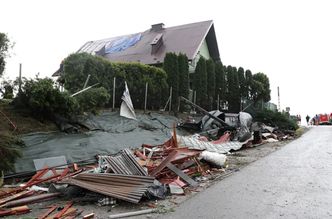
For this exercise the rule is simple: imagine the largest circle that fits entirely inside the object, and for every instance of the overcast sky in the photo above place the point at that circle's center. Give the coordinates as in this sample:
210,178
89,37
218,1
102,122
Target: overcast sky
289,41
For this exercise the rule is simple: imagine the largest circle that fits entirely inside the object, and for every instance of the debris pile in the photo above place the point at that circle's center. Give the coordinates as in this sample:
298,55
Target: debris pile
148,172
14,200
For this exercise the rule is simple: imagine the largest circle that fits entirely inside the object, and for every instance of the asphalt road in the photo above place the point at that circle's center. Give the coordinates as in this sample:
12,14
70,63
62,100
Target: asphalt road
293,182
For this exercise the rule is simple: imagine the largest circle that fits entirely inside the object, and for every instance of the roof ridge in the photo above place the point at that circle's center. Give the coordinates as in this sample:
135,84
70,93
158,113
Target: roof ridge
210,21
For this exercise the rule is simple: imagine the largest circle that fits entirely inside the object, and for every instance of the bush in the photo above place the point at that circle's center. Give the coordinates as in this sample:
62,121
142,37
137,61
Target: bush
7,89
276,119
78,66
93,99
42,99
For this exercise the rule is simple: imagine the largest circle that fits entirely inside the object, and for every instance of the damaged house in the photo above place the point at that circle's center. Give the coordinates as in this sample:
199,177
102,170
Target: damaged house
150,46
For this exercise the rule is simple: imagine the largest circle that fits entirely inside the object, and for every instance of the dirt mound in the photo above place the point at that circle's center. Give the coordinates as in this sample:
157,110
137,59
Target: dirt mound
15,122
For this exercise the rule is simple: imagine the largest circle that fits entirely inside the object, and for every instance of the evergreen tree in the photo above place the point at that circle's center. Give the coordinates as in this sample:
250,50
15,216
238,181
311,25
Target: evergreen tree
224,83
200,83
242,82
229,86
233,94
211,82
261,88
220,81
237,91
4,47
183,75
248,84
171,68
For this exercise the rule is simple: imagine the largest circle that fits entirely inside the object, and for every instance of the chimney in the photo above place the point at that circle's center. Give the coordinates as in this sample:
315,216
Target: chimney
157,27
156,43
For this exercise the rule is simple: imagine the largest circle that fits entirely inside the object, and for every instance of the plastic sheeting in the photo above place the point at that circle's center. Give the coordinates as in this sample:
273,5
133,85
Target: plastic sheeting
245,121
119,133
127,108
122,43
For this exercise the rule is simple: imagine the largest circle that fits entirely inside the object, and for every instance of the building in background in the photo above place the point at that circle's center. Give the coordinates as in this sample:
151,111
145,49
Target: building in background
150,46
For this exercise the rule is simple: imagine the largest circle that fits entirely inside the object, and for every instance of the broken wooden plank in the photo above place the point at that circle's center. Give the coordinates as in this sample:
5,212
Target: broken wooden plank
182,175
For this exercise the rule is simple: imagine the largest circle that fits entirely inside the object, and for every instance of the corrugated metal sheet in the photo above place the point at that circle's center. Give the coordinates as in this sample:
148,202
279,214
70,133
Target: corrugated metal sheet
125,187
222,148
124,163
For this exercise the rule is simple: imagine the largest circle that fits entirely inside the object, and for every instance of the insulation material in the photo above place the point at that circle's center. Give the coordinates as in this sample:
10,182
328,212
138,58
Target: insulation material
214,158
127,108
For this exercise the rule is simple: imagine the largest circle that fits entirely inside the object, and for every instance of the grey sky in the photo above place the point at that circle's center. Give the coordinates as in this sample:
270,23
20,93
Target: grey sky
290,41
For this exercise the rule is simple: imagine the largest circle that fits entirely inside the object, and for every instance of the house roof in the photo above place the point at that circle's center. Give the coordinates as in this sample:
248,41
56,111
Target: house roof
137,47
186,38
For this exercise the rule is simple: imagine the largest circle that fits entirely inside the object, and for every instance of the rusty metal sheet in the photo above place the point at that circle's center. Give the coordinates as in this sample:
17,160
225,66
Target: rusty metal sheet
124,163
125,187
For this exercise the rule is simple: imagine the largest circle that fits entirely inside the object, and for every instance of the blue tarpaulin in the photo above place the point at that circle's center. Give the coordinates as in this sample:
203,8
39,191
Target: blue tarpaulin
122,43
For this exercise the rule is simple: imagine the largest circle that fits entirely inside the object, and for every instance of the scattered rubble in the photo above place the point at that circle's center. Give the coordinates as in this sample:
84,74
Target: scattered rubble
151,172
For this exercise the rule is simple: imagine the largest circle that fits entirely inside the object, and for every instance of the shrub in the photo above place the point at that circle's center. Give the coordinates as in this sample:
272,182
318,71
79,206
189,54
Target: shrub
93,99
7,89
42,99
78,66
280,120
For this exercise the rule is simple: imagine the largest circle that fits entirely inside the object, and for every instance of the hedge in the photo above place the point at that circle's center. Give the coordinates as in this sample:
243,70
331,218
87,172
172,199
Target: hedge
78,66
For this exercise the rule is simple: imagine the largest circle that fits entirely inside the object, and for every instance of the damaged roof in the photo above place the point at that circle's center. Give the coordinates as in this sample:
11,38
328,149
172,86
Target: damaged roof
151,46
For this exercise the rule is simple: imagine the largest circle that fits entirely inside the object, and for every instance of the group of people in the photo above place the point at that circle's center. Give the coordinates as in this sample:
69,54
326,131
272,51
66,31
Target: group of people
318,118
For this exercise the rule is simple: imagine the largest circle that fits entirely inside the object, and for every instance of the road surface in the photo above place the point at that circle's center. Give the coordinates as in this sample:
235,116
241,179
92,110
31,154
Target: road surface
293,182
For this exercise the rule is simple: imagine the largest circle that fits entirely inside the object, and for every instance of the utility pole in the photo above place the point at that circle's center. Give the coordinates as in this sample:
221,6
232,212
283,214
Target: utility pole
146,96
113,103
20,79
170,99
279,100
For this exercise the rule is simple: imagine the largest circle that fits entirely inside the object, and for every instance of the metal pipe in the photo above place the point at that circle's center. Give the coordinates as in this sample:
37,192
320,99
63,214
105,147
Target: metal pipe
31,199
85,89
170,99
86,81
134,213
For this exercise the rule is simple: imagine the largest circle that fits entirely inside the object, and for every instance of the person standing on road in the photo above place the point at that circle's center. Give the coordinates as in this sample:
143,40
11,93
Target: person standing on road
317,119
307,118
